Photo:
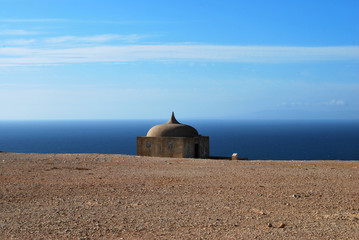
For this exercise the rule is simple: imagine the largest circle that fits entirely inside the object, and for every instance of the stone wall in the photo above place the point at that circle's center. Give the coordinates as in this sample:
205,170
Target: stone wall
177,147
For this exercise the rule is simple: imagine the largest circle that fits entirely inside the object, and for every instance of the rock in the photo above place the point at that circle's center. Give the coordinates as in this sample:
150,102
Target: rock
281,225
269,225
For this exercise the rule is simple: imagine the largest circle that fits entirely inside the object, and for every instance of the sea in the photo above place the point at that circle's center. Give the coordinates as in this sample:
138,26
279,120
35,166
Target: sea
252,139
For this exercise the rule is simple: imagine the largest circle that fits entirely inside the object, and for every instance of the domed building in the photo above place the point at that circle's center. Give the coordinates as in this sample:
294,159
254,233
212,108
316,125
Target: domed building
173,139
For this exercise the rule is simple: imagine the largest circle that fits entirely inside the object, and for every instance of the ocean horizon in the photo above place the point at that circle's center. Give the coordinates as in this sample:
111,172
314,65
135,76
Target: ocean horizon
253,139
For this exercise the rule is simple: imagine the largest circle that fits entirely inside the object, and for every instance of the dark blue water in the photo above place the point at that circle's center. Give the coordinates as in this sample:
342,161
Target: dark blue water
282,140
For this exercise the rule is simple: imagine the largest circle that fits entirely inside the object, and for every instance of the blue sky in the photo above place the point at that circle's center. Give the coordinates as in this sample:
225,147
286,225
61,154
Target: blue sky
77,59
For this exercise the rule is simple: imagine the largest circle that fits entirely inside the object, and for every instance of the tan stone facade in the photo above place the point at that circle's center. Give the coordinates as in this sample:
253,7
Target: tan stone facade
177,147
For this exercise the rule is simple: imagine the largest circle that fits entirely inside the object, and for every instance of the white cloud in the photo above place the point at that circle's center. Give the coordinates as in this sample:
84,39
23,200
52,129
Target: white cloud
294,104
46,20
116,54
95,38
18,42
334,102
17,32
22,20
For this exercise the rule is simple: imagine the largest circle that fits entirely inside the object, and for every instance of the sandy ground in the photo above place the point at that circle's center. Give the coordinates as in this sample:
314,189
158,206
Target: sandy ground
93,196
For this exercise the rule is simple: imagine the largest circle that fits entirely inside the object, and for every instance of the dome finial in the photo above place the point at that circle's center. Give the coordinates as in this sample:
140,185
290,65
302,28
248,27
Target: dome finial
172,128
173,119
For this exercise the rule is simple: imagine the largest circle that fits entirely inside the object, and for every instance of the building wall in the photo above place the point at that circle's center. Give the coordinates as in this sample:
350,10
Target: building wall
177,147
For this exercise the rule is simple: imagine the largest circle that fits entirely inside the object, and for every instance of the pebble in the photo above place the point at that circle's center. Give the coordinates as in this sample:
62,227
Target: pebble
282,225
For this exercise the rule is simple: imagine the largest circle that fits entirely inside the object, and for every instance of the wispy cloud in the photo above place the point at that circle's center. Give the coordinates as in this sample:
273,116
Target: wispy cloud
17,32
330,103
65,42
18,42
111,22
24,20
95,38
220,53
334,102
294,104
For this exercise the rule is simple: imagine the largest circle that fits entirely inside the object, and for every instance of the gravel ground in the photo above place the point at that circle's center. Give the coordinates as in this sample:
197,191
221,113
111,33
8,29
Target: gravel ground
94,196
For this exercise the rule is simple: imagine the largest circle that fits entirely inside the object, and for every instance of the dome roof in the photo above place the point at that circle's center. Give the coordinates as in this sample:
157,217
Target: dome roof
172,128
